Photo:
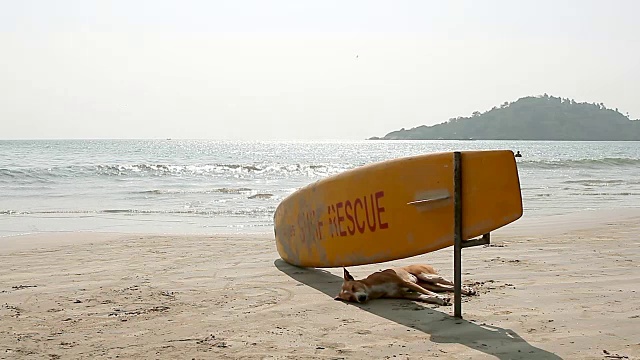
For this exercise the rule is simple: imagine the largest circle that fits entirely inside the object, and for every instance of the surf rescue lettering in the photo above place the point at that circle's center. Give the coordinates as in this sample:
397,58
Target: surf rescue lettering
345,218
357,215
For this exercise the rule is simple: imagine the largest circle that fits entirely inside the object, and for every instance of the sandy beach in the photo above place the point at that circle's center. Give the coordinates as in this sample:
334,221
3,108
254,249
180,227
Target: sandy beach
558,288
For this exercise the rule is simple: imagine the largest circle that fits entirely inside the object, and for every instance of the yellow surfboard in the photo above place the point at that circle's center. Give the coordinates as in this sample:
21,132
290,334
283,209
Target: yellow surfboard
396,209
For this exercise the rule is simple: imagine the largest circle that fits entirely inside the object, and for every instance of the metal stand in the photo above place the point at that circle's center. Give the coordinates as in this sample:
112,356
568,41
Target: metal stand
458,243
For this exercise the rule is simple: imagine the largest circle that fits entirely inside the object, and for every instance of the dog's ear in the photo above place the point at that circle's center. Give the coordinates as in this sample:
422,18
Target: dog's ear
347,276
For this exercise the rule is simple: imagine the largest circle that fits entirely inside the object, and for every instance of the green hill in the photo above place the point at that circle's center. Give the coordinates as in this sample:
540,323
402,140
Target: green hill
531,118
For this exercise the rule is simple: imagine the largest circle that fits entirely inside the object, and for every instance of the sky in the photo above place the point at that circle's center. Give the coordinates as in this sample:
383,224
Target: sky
300,70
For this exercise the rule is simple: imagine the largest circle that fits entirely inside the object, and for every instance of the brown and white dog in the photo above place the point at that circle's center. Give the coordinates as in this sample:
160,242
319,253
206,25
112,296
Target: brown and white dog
413,282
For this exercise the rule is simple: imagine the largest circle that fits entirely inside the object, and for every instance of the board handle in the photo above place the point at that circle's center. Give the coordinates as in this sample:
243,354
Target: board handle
424,201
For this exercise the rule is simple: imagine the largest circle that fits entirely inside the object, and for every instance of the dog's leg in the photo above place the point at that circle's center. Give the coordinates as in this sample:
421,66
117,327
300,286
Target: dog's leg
435,287
442,284
466,290
433,278
428,296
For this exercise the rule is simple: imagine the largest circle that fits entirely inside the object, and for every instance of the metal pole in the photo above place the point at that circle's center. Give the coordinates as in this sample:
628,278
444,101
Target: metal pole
457,234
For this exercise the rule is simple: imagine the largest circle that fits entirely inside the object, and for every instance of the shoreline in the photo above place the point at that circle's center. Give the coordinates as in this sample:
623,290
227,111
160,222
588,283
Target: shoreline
563,288
526,225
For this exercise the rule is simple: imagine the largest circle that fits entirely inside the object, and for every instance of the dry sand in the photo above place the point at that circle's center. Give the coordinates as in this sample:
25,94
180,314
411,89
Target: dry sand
564,287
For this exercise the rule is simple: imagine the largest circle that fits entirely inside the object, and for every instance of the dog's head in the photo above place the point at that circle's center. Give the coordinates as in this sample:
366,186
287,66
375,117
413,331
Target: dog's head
352,290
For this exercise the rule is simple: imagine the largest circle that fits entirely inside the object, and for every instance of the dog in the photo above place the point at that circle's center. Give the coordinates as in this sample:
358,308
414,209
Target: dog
413,282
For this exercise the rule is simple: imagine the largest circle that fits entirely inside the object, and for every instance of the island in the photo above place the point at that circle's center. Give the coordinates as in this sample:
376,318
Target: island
541,117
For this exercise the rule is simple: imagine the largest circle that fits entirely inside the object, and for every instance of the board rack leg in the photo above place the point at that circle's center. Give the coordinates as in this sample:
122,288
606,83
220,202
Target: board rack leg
457,235
458,243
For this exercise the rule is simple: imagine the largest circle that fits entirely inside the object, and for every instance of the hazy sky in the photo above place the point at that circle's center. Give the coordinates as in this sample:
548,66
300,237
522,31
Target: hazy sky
243,69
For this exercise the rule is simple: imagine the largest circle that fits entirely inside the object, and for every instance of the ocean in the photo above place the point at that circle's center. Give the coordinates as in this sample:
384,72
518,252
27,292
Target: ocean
216,187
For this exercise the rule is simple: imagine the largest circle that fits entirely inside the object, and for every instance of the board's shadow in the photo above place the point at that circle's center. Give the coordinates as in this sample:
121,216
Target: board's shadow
443,328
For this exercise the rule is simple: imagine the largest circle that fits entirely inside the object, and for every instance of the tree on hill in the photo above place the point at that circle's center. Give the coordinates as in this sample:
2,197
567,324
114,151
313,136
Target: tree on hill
532,118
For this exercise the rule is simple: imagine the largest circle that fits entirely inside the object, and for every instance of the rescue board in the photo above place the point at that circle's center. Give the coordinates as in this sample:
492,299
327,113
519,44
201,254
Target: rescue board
396,209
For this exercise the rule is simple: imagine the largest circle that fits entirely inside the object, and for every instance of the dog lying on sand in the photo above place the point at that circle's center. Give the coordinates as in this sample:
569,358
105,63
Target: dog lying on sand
413,282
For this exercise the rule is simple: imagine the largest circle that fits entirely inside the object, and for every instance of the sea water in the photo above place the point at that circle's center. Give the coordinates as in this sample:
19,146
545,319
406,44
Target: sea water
213,187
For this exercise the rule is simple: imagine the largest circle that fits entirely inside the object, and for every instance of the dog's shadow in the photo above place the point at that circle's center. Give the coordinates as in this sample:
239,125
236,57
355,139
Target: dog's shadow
443,328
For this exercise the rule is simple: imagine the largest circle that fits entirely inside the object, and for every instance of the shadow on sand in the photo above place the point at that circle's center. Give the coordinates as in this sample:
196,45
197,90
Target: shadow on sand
443,328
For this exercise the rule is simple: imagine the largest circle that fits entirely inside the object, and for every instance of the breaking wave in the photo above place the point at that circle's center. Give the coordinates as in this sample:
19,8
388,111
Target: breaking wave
255,211
151,170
